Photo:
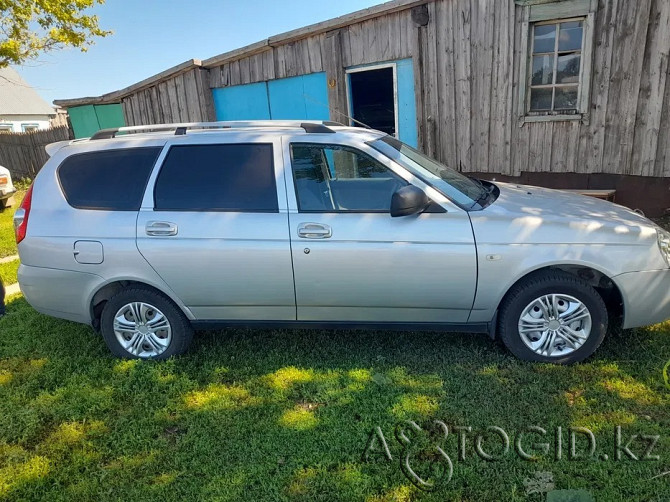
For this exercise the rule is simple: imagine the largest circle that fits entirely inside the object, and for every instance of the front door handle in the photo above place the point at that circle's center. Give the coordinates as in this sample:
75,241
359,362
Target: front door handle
161,228
314,231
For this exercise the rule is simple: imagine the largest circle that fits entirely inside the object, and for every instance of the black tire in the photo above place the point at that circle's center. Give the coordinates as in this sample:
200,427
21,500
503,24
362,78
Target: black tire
544,283
181,334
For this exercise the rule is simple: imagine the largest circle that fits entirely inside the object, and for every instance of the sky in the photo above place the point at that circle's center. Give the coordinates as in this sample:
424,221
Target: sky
151,36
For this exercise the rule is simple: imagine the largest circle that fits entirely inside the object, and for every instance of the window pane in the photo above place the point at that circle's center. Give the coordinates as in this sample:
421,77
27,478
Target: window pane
567,69
311,172
566,98
570,38
540,99
360,182
543,70
237,177
108,179
545,38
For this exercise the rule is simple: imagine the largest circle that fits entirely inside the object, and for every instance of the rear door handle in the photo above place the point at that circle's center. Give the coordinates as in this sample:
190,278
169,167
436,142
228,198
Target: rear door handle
161,228
314,231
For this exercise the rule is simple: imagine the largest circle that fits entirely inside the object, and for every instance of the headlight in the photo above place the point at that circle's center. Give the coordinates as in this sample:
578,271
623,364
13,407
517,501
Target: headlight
664,244
4,179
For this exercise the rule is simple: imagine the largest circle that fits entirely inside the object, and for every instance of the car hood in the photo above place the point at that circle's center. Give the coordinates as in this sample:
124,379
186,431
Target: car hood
526,214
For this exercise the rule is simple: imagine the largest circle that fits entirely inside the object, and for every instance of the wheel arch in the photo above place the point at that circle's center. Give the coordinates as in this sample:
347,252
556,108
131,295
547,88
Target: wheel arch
604,285
109,288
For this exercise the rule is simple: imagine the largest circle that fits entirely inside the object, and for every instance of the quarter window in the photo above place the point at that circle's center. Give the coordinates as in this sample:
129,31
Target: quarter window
107,180
330,178
556,61
231,177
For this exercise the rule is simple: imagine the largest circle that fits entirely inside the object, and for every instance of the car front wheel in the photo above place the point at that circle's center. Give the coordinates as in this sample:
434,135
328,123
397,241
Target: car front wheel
552,317
140,323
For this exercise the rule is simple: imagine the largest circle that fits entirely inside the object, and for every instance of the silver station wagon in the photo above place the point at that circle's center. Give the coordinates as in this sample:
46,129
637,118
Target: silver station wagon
146,233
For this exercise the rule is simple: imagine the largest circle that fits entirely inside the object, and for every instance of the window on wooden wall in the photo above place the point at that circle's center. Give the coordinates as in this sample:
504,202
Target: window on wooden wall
29,127
557,39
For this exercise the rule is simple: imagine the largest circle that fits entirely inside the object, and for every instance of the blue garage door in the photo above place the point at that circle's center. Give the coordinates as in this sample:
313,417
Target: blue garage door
242,102
304,97
296,98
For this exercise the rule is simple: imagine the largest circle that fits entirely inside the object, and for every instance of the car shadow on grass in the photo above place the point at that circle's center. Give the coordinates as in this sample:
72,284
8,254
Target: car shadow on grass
288,414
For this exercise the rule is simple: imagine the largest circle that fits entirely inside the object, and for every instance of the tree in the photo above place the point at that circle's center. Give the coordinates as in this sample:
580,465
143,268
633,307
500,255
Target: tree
29,28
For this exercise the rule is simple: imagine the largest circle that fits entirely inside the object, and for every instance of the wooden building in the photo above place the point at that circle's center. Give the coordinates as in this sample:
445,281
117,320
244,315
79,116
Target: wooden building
558,93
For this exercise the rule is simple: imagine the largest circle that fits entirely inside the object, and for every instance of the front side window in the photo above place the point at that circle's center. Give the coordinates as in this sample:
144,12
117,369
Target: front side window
225,177
332,178
460,189
555,69
111,180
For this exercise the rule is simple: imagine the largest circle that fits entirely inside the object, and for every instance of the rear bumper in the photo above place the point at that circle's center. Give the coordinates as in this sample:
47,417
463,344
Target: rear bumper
646,297
6,195
58,293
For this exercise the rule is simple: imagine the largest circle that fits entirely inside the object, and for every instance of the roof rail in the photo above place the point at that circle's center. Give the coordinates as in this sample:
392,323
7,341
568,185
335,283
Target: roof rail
313,126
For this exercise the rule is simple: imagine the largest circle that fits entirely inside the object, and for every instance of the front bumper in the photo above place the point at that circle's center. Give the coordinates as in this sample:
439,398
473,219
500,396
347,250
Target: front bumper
646,297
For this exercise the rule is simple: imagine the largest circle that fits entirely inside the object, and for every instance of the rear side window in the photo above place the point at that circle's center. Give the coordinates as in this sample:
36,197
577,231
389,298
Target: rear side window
232,177
112,180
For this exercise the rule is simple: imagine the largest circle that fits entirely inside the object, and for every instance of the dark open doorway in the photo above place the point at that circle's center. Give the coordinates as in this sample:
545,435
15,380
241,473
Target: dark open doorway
372,95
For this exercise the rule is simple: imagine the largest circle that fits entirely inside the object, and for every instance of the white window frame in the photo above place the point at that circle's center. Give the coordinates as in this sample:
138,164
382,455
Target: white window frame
32,125
551,11
6,127
358,69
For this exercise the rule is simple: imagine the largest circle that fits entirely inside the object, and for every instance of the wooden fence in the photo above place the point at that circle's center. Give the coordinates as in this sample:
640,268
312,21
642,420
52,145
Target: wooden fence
24,154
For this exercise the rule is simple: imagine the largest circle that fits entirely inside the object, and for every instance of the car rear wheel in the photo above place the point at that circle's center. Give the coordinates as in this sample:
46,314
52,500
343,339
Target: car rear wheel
140,323
552,317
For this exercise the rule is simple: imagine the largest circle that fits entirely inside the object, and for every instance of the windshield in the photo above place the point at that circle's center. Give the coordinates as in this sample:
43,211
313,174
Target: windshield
460,189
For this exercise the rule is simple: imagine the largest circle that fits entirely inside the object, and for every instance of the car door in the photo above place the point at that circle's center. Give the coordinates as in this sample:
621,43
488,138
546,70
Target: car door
214,226
352,261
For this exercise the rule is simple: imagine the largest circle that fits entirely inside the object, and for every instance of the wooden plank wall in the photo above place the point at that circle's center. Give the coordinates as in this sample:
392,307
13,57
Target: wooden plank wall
24,154
184,98
479,48
385,38
466,64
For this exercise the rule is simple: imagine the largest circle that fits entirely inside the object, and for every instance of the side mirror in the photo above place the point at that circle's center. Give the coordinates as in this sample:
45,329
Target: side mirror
408,200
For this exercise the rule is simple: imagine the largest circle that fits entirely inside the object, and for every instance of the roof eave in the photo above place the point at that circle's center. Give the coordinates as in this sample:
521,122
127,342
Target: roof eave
312,30
117,96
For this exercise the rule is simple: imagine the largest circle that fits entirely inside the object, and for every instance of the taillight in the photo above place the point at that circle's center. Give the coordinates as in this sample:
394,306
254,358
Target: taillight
21,216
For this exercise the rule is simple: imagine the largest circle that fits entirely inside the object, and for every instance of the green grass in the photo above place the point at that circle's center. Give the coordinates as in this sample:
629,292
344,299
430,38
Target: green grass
7,240
286,415
8,272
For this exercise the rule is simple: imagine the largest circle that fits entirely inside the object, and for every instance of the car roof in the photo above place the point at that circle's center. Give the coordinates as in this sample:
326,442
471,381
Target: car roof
136,136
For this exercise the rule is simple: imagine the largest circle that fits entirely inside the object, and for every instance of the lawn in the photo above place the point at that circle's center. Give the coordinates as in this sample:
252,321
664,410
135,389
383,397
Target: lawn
8,272
7,240
286,415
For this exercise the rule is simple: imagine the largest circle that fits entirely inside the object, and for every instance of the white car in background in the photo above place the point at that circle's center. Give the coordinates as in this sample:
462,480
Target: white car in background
6,187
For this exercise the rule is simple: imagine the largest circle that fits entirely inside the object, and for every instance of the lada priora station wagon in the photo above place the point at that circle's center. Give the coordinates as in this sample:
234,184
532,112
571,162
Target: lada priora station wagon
146,233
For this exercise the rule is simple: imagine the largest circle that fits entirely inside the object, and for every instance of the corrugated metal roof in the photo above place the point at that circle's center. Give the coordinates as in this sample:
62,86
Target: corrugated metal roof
18,98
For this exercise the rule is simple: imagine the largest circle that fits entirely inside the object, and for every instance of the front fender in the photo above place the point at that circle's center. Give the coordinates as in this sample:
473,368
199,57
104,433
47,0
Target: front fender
502,266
